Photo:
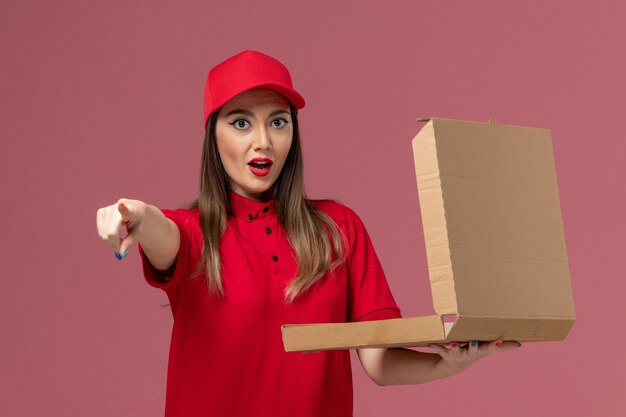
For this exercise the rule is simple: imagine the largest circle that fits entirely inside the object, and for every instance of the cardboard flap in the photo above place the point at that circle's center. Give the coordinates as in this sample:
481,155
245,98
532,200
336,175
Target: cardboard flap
414,331
521,329
492,220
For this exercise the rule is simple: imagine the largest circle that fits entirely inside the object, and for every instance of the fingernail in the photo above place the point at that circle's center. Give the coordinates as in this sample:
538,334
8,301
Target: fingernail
454,345
474,343
122,256
499,343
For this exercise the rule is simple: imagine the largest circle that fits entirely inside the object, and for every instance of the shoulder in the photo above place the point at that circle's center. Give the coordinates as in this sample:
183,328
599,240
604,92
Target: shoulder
182,216
194,212
341,214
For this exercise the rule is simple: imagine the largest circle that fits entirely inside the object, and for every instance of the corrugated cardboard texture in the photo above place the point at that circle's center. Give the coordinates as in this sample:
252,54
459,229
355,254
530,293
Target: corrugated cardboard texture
521,329
389,333
492,220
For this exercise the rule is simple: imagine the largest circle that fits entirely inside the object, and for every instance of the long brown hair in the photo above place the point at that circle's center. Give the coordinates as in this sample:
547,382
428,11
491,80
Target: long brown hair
315,238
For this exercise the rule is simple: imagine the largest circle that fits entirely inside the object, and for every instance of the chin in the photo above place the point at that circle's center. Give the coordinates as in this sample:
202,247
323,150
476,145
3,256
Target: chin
258,192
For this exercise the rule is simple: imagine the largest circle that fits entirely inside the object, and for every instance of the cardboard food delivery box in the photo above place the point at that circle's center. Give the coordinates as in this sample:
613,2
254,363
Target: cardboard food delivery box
494,239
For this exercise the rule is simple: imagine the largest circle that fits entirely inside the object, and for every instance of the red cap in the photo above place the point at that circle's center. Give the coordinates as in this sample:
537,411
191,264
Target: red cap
245,71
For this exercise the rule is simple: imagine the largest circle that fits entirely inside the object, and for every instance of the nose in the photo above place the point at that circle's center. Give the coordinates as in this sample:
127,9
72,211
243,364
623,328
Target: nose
262,139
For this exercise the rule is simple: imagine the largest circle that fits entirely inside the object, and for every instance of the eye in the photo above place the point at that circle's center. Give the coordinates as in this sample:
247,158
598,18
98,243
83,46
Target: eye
279,123
240,124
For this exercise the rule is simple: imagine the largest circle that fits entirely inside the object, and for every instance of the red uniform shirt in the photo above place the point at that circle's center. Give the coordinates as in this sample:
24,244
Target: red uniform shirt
226,355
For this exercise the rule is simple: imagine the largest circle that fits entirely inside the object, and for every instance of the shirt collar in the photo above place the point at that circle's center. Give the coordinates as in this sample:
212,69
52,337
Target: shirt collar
248,209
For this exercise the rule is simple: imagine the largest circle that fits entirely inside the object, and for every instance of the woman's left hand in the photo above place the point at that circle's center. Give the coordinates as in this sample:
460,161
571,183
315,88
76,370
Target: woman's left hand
456,357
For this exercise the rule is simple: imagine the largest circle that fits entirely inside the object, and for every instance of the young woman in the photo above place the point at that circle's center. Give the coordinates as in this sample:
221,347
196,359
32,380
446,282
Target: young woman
253,253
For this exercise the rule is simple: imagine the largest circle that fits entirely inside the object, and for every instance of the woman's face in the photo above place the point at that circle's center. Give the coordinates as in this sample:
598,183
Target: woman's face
254,134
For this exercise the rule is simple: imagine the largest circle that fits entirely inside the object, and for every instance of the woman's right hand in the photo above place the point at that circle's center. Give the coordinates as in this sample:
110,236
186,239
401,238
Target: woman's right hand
125,216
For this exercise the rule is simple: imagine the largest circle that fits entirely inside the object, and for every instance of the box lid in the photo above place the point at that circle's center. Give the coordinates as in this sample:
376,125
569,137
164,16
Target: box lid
492,220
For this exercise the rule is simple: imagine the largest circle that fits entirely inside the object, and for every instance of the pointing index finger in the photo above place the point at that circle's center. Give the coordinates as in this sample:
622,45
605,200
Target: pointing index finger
126,210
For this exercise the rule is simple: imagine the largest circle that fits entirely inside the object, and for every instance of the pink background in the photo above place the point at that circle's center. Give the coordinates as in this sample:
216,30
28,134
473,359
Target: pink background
102,100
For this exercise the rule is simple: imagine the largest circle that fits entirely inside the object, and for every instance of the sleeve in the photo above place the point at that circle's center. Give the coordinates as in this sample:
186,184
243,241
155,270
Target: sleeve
188,256
369,296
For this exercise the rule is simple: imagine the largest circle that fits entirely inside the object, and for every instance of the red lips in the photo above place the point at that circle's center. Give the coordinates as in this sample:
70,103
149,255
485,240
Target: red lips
260,166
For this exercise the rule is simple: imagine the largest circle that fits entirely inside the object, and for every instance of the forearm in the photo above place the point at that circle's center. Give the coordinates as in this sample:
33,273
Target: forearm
407,367
399,366
159,238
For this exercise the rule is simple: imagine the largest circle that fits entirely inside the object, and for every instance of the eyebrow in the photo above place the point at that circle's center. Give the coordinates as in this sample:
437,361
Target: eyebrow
250,114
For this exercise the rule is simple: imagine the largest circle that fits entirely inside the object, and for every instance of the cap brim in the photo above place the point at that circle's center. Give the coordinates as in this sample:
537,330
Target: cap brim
292,95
